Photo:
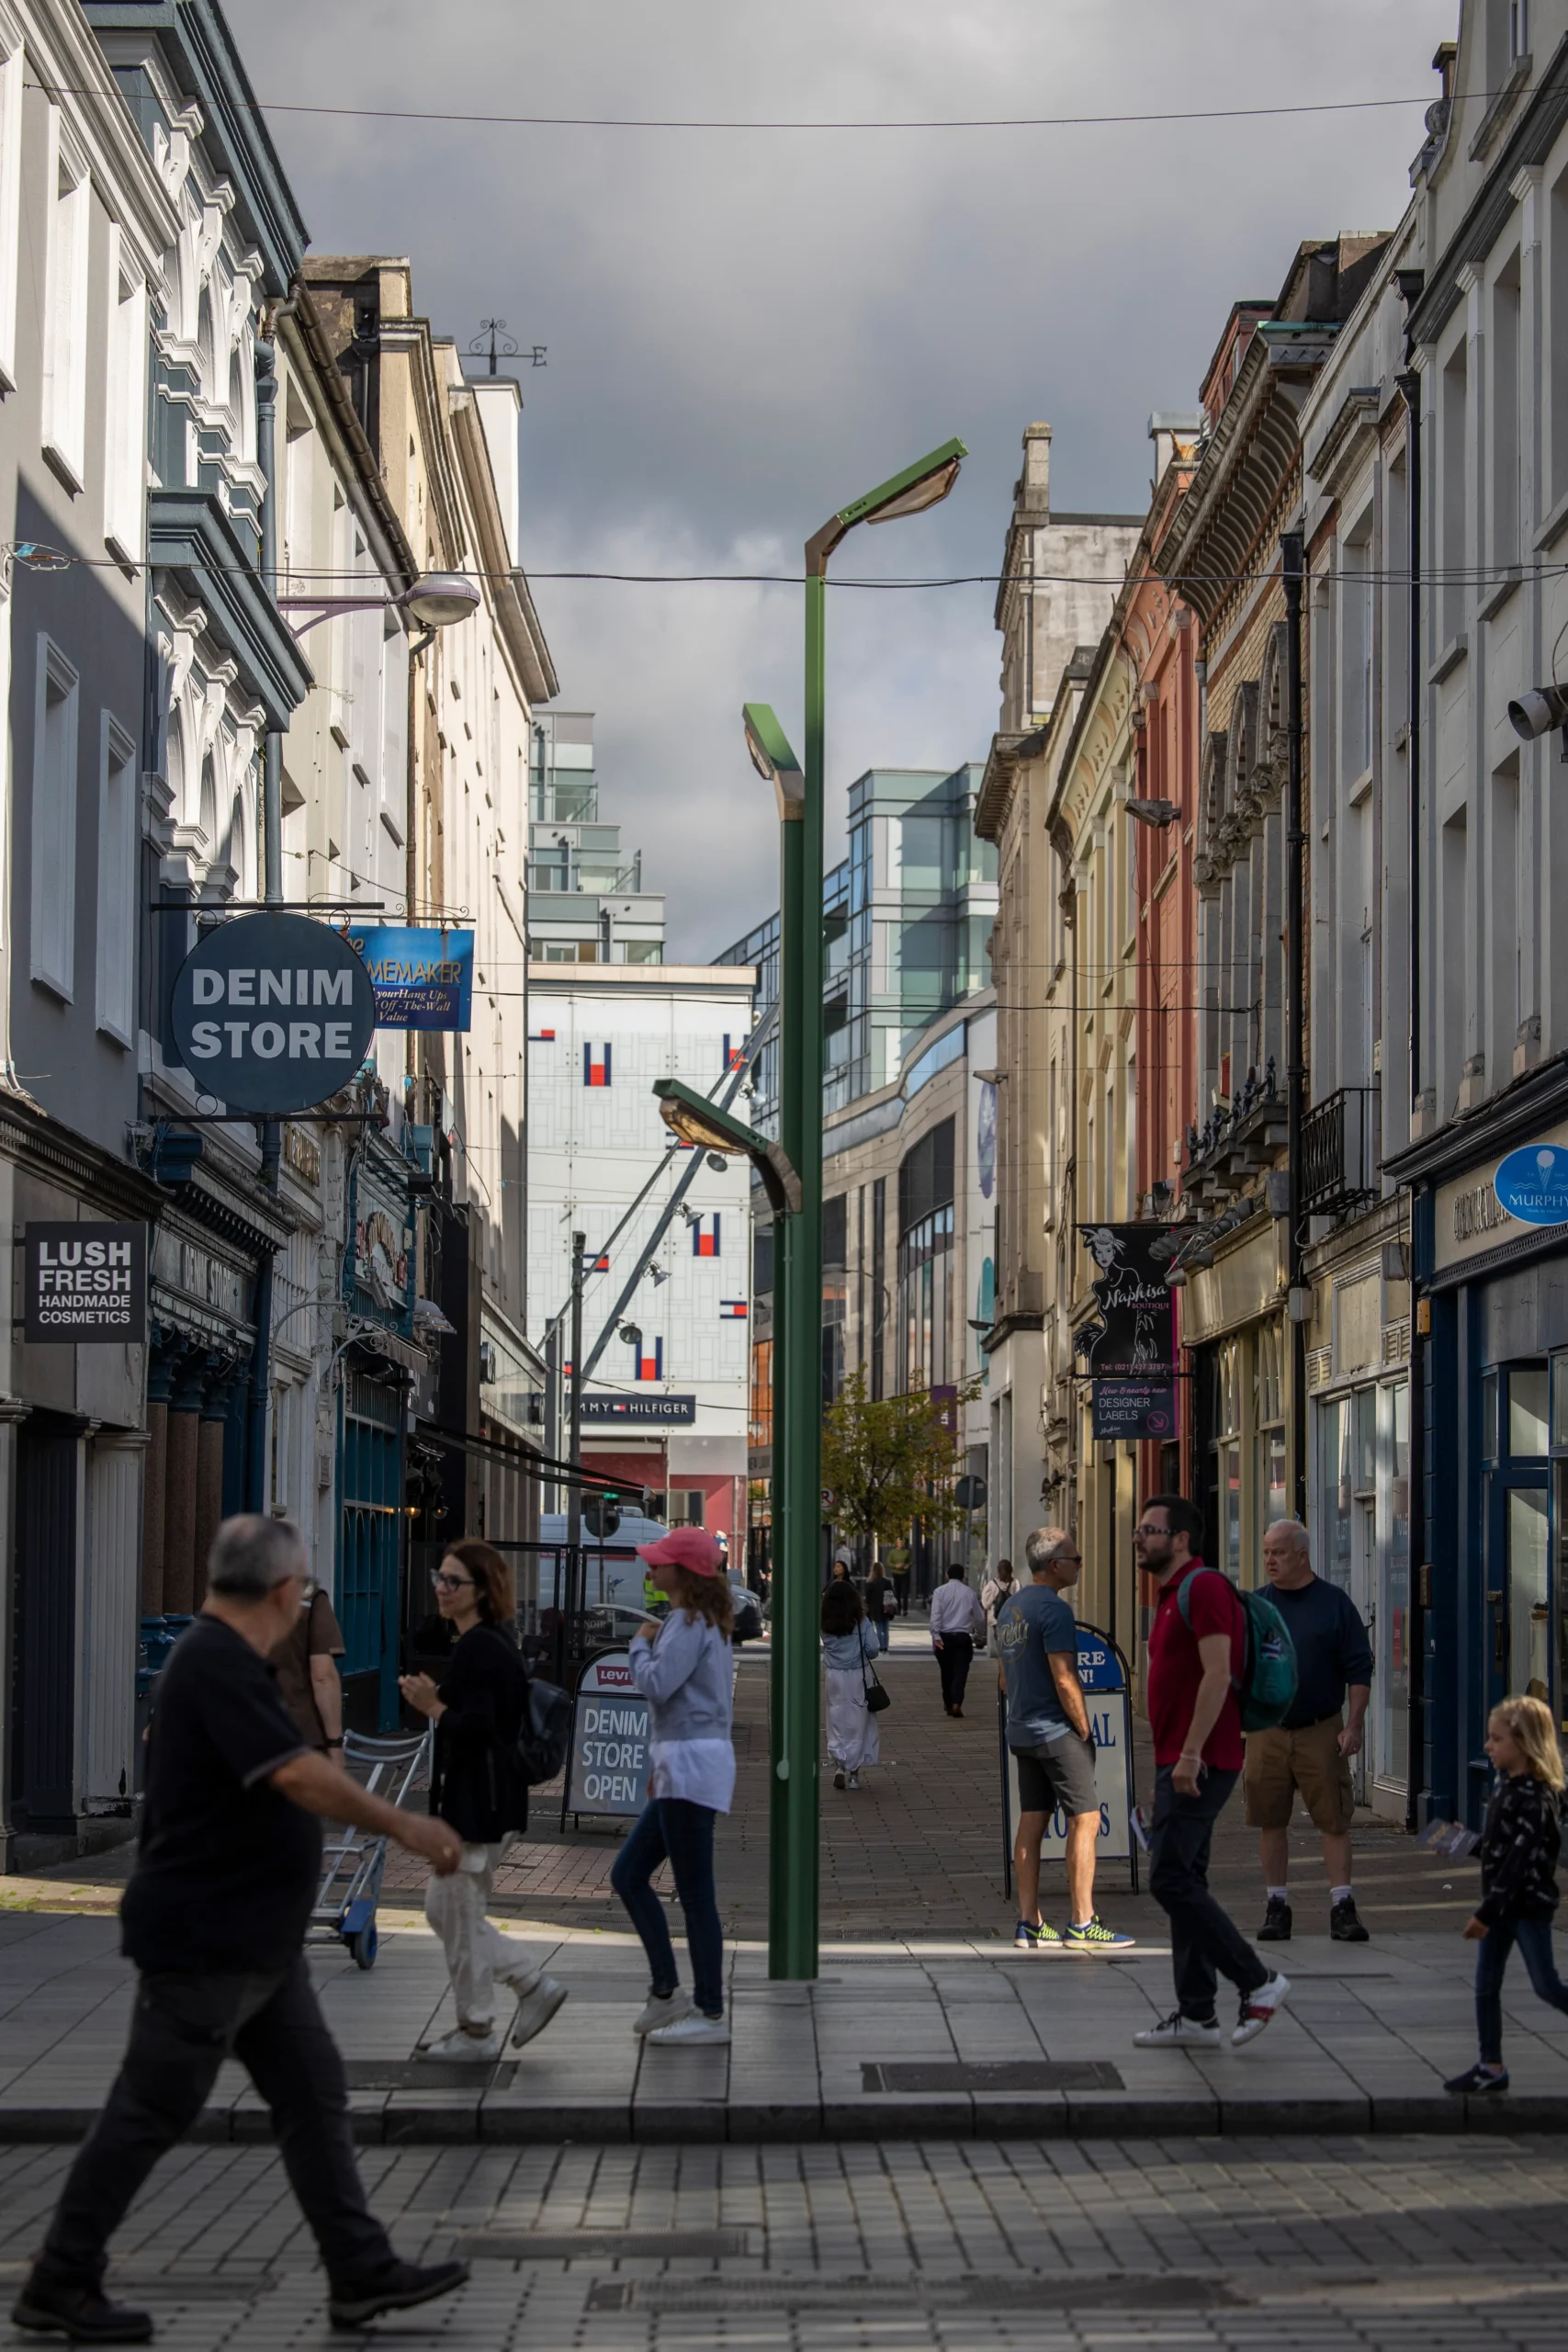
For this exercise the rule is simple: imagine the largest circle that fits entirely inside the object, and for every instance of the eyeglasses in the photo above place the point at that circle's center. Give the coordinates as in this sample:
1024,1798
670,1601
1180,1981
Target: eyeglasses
450,1584
1144,1527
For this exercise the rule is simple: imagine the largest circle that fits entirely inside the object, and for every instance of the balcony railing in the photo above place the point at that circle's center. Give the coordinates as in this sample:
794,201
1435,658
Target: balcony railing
1339,1151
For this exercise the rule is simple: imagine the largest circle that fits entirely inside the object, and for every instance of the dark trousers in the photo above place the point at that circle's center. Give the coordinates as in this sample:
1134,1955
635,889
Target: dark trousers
181,2031
675,1828
955,1657
1205,1941
1534,1939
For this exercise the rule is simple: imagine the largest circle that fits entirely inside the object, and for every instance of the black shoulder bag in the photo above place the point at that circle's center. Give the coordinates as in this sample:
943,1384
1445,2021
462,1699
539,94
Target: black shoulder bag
877,1698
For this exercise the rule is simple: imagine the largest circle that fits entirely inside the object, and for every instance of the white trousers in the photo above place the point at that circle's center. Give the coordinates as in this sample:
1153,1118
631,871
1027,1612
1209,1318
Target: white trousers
854,1735
477,1953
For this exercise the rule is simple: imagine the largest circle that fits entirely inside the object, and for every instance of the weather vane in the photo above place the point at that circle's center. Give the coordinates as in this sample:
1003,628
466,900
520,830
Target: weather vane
502,345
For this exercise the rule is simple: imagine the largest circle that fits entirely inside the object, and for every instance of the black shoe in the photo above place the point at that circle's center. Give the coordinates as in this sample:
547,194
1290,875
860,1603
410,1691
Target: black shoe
81,2314
397,2288
1276,1927
1477,2083
1345,1923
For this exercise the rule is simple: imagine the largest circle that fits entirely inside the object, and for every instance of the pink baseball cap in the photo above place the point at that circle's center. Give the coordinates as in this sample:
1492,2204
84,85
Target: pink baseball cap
685,1547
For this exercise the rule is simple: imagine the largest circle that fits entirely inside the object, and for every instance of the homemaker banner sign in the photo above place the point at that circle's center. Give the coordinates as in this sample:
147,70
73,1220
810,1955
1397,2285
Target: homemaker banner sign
423,978
1132,1359
272,1013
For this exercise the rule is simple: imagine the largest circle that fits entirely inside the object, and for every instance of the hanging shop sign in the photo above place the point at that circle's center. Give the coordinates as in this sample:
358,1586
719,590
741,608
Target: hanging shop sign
84,1284
1102,1672
423,978
1133,1408
272,1013
609,1741
1532,1184
1132,1356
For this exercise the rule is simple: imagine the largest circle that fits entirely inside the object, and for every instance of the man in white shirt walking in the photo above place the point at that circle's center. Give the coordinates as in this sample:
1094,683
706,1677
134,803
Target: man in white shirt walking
958,1622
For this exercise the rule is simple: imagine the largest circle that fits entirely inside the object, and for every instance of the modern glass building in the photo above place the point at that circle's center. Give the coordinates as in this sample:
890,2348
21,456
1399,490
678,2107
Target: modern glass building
586,902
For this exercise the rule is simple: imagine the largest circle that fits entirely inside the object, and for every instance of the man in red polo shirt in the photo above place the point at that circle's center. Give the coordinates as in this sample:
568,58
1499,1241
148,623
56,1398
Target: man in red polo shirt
1196,1662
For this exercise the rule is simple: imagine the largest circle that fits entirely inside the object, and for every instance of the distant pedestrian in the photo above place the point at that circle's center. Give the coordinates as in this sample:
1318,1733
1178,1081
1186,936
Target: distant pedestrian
994,1594
476,1785
1049,1734
957,1624
1309,1753
848,1647
214,1917
305,1662
685,1672
1196,1662
881,1602
1519,1847
842,1571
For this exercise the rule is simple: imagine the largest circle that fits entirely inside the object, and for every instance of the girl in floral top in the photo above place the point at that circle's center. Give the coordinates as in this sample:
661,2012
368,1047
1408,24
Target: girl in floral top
1518,1892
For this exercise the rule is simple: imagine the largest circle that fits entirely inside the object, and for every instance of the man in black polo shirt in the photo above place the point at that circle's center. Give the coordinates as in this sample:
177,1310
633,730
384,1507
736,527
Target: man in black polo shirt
1309,1754
214,1917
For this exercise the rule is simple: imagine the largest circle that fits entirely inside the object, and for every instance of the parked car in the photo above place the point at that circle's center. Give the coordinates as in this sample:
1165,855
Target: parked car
748,1614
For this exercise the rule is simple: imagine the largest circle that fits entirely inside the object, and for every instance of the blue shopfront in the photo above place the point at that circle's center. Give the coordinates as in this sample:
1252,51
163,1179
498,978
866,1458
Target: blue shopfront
1492,1345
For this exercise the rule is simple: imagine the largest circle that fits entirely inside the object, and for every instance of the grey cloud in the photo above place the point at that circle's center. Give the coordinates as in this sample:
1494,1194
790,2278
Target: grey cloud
745,331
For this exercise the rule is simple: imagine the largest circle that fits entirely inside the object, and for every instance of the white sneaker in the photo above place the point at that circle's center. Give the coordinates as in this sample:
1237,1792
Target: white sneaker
660,2011
478,2049
854,1779
693,2027
1176,2030
535,2010
1257,2009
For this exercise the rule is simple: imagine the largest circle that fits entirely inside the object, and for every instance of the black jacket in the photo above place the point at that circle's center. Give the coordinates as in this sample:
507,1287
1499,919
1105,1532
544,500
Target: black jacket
474,1784
1520,1847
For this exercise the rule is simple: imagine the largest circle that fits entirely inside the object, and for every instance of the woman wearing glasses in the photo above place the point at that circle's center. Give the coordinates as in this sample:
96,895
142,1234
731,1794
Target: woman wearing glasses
477,1788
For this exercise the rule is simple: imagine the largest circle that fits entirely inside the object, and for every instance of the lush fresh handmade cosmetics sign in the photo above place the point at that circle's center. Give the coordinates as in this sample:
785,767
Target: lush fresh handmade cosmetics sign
423,978
84,1284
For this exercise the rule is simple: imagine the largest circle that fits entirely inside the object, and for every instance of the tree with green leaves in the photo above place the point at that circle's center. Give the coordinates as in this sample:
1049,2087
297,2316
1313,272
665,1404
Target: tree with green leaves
890,1463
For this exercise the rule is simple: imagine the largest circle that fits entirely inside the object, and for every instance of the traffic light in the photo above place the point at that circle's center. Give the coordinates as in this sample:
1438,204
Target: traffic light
601,1514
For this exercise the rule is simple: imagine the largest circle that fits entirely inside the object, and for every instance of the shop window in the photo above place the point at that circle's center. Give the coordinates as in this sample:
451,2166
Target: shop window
1226,1455
1526,1409
1392,1757
1270,1487
1489,1417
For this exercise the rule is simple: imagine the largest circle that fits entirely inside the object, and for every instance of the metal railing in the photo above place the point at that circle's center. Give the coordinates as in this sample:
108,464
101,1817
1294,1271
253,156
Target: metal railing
1339,1151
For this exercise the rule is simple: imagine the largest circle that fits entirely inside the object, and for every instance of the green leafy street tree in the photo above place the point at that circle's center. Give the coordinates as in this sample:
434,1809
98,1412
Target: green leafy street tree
890,1463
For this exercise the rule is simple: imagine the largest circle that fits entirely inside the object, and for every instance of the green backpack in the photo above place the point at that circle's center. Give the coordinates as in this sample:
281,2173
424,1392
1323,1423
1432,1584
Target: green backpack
1267,1684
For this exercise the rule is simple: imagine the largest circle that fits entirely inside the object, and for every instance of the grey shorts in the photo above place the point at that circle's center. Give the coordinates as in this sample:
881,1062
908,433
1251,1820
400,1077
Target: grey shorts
1058,1777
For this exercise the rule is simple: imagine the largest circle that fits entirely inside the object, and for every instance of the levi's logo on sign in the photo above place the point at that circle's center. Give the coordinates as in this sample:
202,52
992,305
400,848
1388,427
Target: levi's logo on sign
272,1013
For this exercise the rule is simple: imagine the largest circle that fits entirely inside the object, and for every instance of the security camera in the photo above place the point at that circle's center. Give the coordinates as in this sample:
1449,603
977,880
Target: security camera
1537,712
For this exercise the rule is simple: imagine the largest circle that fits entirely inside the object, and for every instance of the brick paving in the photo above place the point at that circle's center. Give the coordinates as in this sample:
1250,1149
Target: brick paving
1250,2246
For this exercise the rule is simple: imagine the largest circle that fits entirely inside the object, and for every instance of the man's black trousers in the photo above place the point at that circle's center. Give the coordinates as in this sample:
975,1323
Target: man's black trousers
181,2031
955,1657
1205,1942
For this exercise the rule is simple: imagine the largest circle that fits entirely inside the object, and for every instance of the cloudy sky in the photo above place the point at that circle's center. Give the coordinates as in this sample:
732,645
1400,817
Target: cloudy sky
747,329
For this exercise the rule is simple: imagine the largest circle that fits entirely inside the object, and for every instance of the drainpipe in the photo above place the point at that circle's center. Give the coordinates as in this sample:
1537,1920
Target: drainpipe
1410,283
272,892
1292,566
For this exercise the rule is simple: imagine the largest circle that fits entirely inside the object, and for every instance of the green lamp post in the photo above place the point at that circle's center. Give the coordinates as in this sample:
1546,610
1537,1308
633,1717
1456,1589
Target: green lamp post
792,1906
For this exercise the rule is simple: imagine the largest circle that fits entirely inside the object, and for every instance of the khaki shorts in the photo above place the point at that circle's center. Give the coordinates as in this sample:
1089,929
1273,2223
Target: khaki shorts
1280,1762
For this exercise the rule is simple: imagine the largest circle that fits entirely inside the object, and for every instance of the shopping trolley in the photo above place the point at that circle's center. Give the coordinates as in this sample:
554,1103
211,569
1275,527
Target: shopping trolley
351,1859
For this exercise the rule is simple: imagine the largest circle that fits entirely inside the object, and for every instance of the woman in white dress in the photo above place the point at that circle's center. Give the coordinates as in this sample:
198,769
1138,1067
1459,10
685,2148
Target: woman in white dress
849,1650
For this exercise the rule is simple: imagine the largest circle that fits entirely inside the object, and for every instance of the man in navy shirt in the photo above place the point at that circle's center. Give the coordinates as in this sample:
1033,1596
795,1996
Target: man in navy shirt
214,1917
1048,1732
1310,1752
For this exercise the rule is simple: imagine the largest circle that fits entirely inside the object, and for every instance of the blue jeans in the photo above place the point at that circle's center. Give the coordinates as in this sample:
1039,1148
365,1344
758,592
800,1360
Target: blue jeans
673,1828
1205,1942
1534,1939
880,1630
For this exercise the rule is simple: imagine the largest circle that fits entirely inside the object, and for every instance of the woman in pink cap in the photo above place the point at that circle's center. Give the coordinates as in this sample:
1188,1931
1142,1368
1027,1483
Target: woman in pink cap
684,1673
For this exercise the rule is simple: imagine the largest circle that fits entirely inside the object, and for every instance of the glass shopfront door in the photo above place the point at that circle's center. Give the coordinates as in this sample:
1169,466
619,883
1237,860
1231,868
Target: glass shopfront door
1517,1648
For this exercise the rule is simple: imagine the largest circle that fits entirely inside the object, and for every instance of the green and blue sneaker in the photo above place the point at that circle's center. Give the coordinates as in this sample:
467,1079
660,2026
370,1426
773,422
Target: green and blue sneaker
1095,1936
1033,1937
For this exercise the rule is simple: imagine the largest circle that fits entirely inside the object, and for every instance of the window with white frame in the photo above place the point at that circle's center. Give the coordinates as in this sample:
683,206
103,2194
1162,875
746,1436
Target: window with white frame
117,880
1453,455
65,306
55,822
1507,440
1356,651
10,197
125,420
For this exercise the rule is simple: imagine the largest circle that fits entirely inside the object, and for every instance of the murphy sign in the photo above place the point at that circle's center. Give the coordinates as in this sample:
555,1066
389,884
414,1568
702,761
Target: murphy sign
272,1013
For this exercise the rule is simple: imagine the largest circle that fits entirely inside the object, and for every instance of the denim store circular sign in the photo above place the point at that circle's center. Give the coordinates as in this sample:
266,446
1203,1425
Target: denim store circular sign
272,1013
1532,1183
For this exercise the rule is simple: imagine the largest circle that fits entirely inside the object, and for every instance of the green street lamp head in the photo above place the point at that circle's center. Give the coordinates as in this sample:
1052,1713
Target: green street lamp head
923,484
697,1121
773,759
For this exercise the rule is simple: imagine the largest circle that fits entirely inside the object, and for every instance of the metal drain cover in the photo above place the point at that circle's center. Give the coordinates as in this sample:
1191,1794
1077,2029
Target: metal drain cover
603,2246
846,2297
988,2075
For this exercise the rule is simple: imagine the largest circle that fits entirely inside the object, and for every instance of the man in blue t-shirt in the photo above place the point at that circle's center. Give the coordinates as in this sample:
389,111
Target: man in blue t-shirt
1048,1732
